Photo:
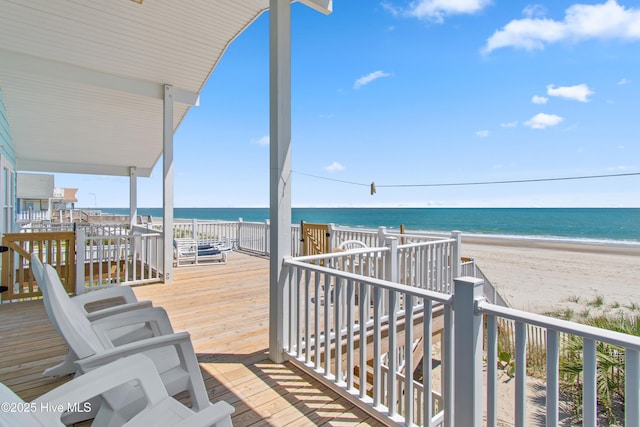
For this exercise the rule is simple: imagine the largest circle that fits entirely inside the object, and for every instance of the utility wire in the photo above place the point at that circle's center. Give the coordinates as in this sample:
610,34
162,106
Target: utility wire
330,179
450,184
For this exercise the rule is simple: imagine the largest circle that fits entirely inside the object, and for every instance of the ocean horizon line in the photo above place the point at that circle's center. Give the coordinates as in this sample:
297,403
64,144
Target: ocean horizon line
368,207
597,225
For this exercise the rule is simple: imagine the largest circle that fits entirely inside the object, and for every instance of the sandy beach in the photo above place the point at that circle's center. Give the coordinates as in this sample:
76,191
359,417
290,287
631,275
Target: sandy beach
544,275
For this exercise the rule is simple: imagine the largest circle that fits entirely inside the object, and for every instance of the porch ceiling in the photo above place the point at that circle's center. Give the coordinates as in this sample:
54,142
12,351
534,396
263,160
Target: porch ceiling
83,80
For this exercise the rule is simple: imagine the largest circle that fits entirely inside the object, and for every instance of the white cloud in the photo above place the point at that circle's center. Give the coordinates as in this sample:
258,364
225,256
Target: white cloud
482,133
509,125
436,10
261,141
623,82
542,120
534,10
334,167
577,93
539,99
365,80
608,20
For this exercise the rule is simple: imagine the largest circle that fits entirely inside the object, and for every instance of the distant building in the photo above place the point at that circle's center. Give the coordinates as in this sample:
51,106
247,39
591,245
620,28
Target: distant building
37,197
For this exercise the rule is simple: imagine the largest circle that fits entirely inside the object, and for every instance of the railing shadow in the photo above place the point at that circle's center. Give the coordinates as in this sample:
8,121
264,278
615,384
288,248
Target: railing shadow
271,393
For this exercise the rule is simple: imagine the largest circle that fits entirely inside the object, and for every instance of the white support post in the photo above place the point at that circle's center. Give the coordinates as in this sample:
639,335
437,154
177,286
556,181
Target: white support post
382,231
266,236
553,389
167,183
194,229
456,255
280,170
392,260
133,197
81,243
467,381
632,388
239,234
589,385
332,237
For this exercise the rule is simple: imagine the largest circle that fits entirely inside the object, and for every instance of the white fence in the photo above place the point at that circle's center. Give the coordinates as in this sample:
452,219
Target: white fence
111,256
430,265
337,321
592,339
27,216
254,236
469,268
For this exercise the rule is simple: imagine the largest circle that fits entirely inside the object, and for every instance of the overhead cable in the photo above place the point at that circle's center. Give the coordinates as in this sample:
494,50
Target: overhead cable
450,184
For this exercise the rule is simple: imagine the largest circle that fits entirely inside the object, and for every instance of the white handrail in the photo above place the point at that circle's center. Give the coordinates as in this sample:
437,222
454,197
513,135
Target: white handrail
333,318
590,335
560,325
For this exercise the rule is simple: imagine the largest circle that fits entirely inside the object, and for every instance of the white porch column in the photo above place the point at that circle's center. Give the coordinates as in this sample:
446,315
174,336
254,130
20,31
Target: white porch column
280,169
467,357
133,196
167,183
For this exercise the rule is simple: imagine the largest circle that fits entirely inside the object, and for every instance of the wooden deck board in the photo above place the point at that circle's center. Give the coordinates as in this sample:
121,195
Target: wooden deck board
225,308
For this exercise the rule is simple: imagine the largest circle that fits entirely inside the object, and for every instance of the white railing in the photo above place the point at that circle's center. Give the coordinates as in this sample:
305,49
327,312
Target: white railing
348,328
296,240
471,269
337,321
470,307
33,216
112,258
418,396
339,235
430,265
254,236
415,237
206,231
47,226
248,236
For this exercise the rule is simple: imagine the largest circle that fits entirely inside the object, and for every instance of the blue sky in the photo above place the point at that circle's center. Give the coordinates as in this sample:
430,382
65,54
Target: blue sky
419,92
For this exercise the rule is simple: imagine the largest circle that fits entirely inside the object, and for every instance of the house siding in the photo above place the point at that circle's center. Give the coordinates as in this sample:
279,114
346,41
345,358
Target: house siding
6,143
7,172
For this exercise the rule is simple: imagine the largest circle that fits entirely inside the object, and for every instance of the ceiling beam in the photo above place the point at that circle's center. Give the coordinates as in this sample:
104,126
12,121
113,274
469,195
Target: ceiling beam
27,64
80,168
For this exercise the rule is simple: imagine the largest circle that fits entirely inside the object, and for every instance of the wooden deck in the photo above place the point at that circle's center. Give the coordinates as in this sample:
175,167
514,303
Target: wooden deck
225,309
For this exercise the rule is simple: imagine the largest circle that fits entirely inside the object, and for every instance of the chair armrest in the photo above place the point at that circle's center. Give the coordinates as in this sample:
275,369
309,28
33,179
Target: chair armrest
155,317
122,308
124,292
134,368
181,342
177,340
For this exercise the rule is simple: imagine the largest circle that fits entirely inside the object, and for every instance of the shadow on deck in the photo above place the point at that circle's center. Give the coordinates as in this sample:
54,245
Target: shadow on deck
225,309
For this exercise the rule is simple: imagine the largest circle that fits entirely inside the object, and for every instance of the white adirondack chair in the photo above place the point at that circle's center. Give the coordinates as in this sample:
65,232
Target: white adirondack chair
93,344
124,294
159,409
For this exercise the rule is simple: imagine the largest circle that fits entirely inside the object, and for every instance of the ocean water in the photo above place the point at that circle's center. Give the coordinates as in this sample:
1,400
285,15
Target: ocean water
582,224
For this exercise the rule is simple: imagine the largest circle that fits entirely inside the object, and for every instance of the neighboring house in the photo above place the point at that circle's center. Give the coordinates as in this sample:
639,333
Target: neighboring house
7,174
64,198
34,192
37,197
